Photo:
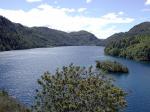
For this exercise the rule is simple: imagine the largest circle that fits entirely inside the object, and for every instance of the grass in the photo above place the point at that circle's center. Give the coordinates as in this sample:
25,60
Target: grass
9,104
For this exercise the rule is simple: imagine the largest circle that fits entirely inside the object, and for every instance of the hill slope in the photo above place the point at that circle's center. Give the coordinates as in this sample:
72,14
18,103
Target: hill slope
134,44
9,104
16,36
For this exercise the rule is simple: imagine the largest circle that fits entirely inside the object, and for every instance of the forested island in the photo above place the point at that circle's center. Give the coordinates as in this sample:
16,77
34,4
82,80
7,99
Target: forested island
111,67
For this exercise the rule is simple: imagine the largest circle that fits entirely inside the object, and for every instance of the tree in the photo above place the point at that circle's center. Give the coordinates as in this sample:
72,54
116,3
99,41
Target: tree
78,89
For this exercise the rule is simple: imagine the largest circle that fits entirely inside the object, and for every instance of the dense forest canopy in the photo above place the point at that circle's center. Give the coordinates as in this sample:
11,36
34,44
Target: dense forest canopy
134,44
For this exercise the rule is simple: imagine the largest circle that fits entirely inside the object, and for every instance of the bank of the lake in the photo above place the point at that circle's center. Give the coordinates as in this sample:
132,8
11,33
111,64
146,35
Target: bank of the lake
19,71
10,104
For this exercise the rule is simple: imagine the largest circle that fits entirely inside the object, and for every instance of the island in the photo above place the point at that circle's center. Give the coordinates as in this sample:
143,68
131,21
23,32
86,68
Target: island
111,67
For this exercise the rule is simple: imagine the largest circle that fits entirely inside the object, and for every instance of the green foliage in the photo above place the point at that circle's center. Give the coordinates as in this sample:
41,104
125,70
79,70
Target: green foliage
134,44
77,89
113,52
8,104
111,67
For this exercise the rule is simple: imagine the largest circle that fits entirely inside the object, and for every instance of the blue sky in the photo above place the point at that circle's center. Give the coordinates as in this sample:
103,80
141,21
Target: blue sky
101,17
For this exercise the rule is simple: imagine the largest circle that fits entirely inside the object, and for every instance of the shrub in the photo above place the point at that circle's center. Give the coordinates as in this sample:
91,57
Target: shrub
77,89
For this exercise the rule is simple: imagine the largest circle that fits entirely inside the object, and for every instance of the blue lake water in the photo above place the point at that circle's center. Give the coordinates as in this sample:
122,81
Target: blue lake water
19,71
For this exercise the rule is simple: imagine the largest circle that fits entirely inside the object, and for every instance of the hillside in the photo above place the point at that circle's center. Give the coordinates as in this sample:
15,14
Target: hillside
134,44
9,104
16,36
113,38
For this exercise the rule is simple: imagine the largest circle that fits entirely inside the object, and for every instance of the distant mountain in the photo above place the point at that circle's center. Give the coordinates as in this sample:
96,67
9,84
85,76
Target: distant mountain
85,38
134,44
16,36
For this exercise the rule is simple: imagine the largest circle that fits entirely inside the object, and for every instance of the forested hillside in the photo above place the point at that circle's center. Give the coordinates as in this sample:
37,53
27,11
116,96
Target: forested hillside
16,36
134,44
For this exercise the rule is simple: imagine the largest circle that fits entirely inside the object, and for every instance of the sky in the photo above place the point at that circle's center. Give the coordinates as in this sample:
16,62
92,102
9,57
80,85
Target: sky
100,17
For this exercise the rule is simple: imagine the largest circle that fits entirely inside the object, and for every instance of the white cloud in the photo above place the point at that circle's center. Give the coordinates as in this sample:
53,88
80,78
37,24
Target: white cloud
88,1
82,9
121,13
61,19
147,2
33,1
69,10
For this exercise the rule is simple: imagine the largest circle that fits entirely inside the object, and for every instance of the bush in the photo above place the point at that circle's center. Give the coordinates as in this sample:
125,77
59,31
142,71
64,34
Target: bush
77,89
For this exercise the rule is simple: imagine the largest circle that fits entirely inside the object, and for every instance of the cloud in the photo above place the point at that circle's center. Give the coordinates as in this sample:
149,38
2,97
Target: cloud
68,10
62,19
121,13
88,1
147,2
33,1
82,9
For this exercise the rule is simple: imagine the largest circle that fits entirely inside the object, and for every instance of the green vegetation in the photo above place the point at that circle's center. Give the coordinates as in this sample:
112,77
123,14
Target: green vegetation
78,89
16,36
111,67
9,104
134,44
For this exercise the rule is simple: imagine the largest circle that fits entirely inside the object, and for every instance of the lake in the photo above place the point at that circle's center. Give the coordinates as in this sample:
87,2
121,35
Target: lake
20,69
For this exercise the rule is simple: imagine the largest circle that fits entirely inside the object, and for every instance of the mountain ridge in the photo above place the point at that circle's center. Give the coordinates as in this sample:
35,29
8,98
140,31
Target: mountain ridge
15,36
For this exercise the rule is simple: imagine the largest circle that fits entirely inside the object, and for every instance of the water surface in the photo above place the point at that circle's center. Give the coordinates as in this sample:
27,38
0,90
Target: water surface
19,71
